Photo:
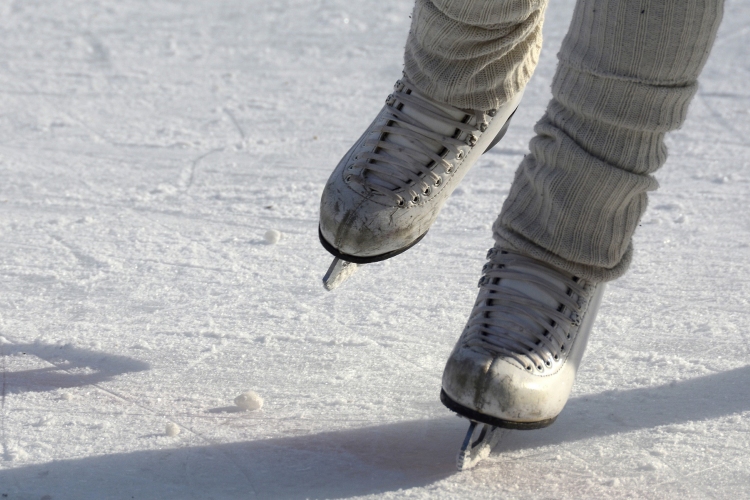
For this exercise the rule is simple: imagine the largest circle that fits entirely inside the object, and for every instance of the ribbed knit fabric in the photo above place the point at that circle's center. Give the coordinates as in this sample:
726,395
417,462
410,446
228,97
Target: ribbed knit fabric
626,75
474,54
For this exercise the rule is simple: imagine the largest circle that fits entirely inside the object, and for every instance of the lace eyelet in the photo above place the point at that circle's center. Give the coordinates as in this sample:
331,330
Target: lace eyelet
471,140
449,170
350,167
482,127
427,191
528,368
540,368
548,363
415,199
492,113
438,181
400,203
348,179
460,155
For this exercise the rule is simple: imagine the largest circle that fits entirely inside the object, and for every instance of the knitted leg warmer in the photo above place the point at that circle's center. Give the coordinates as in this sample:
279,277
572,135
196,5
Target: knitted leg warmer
474,54
627,72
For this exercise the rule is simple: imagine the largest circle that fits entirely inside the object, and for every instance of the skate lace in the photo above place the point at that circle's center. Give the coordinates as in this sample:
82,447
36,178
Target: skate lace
404,170
506,322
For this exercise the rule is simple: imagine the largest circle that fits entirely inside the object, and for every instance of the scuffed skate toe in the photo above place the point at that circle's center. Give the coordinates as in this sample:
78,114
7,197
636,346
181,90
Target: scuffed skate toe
495,392
347,234
515,362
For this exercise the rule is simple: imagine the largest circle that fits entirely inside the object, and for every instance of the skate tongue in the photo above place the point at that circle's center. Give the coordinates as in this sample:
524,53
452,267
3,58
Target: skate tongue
525,309
536,293
429,123
532,290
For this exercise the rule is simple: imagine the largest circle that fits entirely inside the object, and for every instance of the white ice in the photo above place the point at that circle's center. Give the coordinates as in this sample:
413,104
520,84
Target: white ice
146,148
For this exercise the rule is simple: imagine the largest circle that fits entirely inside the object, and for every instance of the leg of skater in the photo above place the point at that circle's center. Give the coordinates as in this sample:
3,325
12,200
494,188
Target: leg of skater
626,75
474,54
466,64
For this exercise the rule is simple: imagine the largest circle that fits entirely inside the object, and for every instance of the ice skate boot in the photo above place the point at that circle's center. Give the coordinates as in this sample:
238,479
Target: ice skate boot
513,366
389,188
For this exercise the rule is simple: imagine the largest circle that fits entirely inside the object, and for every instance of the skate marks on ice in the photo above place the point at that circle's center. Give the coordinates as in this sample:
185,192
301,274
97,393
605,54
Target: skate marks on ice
377,459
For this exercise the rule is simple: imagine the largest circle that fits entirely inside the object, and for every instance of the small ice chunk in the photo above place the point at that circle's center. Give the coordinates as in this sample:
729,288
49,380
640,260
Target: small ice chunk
172,429
66,396
272,236
249,401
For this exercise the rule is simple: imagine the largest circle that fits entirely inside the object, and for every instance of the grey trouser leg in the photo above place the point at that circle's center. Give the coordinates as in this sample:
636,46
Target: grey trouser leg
474,54
627,72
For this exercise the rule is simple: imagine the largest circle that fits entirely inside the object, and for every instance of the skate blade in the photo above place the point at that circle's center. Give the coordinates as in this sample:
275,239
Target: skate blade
339,272
474,450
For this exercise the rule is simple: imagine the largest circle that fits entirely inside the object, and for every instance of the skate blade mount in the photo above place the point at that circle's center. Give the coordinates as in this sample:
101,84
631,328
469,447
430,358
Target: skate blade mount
340,271
474,450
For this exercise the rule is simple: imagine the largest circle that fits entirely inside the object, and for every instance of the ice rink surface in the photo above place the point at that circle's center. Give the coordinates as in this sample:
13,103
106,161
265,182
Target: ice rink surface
145,150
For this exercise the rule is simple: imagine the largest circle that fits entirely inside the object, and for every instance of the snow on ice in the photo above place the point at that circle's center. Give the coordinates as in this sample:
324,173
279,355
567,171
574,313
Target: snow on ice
249,401
148,147
172,429
272,236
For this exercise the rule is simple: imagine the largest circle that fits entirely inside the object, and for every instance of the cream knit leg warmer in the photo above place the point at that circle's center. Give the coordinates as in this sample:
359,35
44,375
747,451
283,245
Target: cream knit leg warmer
626,75
474,54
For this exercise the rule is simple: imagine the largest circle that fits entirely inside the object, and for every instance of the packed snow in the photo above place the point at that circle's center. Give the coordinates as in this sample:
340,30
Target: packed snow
172,429
249,401
148,147
272,236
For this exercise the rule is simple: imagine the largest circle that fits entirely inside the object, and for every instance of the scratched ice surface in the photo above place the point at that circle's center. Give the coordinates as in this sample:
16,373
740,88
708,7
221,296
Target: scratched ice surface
148,150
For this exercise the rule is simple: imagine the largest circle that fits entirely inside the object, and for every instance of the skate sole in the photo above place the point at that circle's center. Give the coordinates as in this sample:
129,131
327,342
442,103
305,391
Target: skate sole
475,416
365,260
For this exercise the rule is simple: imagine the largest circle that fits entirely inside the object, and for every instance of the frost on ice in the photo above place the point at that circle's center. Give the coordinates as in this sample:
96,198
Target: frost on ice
249,401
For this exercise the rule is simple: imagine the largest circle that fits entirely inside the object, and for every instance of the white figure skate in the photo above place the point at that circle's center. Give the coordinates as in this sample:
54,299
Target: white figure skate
389,188
514,365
